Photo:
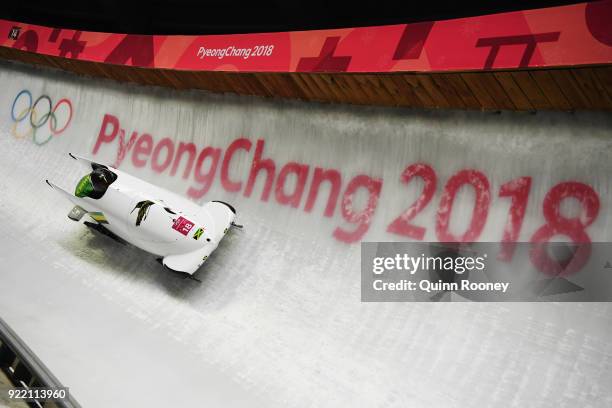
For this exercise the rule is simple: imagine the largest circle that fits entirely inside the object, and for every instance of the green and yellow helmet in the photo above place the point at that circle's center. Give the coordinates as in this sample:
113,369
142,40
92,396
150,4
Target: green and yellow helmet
84,187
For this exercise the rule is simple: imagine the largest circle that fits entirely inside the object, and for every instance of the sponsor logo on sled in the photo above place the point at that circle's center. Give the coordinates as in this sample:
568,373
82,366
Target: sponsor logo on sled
143,210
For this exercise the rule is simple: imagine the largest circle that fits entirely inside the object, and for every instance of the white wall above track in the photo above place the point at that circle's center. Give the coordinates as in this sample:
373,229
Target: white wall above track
277,320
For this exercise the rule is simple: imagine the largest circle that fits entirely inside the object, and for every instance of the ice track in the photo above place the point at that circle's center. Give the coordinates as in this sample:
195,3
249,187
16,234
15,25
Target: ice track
277,319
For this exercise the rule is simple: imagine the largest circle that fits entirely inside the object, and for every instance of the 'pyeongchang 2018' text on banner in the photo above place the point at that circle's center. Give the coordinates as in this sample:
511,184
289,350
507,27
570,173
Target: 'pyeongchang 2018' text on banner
205,164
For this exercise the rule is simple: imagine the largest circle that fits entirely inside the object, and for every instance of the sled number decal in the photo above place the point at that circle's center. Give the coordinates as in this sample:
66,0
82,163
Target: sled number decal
198,233
182,225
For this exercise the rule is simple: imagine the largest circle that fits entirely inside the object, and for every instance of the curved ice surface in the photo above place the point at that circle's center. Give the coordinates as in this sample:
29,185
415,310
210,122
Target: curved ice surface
277,320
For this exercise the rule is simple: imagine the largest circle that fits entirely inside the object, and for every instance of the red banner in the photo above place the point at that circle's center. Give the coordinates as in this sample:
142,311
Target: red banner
578,34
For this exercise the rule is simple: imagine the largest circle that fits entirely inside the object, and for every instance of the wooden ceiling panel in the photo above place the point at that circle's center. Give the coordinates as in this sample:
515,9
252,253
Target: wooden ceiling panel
569,88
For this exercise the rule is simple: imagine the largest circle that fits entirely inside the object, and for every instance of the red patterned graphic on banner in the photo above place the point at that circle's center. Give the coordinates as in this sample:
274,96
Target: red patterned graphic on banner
577,34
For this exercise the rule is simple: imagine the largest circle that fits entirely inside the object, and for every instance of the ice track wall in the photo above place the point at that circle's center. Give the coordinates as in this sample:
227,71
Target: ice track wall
277,320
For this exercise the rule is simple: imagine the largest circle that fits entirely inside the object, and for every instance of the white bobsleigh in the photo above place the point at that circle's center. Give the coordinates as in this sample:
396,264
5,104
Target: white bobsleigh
158,221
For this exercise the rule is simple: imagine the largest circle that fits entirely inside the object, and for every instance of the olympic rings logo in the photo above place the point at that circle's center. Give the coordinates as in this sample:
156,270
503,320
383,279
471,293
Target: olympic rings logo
30,117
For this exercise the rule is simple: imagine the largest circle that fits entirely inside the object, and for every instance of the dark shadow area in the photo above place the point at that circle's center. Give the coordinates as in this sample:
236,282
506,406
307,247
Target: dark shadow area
130,261
218,17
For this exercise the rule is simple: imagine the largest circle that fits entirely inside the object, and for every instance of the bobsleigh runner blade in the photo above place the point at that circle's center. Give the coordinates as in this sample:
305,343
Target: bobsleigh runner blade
104,231
233,224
